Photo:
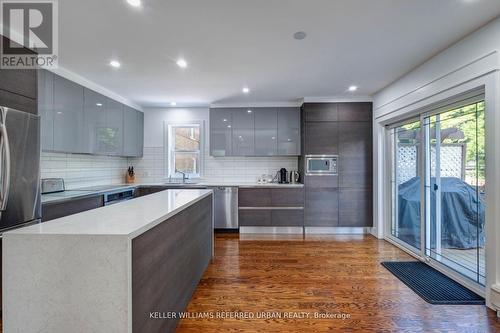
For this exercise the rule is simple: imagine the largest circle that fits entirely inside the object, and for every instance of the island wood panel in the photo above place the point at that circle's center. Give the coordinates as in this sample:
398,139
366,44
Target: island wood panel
322,274
168,261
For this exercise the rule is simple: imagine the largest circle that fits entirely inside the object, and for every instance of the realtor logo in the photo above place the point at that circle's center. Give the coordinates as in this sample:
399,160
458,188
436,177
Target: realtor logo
29,30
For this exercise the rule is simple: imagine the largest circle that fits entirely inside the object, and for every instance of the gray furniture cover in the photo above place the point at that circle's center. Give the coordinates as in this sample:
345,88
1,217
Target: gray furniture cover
462,218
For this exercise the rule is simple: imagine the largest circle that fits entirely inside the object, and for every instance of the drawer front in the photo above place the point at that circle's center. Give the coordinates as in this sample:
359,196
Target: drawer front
254,218
287,218
287,197
254,197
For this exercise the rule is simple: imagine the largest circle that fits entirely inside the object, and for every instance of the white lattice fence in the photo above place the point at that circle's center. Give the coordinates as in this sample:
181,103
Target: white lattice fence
452,161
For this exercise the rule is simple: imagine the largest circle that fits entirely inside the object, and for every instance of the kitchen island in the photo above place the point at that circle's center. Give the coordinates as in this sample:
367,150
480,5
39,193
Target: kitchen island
111,268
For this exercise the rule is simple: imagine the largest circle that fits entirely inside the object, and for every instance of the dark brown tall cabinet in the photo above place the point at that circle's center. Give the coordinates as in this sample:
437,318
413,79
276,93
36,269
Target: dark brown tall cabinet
345,130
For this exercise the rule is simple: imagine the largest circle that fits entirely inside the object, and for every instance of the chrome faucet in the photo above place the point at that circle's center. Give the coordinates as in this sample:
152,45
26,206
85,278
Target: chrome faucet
184,176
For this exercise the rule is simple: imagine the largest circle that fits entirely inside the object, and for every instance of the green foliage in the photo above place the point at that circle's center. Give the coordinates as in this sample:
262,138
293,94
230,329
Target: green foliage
470,120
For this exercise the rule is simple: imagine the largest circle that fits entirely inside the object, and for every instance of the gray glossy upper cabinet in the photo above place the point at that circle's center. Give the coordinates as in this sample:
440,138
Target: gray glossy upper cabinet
266,131
140,134
68,116
221,132
289,131
243,132
255,131
95,122
112,135
46,108
133,122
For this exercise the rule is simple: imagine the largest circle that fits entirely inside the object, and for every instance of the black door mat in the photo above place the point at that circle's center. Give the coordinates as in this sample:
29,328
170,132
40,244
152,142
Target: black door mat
433,286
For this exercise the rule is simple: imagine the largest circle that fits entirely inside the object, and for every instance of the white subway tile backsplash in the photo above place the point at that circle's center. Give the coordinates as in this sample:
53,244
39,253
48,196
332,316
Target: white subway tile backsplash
151,167
86,170
83,170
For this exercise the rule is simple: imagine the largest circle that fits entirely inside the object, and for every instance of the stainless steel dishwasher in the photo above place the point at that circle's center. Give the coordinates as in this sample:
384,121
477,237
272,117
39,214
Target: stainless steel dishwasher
225,207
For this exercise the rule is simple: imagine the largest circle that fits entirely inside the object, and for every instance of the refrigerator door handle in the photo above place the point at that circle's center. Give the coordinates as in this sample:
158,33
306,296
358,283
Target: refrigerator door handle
5,173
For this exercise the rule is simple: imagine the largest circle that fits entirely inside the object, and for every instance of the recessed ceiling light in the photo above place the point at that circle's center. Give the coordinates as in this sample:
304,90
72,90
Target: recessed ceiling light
182,63
98,104
224,120
173,103
299,35
249,111
353,88
115,63
228,126
134,3
245,90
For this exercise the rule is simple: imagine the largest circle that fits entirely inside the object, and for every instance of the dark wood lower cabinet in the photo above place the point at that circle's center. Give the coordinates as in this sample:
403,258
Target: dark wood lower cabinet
287,218
275,207
322,207
254,218
51,211
356,208
254,197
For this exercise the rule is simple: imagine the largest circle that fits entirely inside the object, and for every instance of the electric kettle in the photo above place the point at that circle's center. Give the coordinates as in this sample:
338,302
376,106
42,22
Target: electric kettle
294,177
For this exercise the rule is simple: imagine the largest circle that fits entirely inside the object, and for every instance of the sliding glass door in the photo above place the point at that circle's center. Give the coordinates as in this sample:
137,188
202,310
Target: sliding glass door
443,218
405,183
455,189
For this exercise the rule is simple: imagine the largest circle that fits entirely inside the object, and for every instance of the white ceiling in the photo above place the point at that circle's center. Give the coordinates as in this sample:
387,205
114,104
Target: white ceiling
232,43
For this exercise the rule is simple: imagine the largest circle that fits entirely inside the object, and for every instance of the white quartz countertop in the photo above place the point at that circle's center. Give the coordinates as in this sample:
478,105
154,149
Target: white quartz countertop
83,192
130,218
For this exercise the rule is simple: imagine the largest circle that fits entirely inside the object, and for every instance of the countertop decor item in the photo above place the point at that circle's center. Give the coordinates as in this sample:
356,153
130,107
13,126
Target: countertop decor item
130,175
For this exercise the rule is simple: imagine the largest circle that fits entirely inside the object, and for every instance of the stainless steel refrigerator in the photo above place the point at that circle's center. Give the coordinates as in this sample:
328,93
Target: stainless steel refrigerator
19,169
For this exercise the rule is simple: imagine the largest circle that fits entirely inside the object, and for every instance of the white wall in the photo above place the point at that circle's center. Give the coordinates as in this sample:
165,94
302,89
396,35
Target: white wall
471,48
151,168
471,63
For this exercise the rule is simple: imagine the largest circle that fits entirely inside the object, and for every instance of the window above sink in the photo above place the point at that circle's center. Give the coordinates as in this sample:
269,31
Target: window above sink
184,155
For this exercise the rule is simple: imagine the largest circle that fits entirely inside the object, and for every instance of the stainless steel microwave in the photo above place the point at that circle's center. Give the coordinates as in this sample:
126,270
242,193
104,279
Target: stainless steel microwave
321,165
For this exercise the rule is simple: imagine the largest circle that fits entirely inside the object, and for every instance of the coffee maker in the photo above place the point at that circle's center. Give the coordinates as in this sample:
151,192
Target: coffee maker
283,176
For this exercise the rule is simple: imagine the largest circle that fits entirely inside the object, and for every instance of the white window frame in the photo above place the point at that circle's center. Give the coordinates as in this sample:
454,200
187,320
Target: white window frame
170,152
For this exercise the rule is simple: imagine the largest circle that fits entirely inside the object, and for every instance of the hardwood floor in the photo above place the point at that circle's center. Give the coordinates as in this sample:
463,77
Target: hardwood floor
323,274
